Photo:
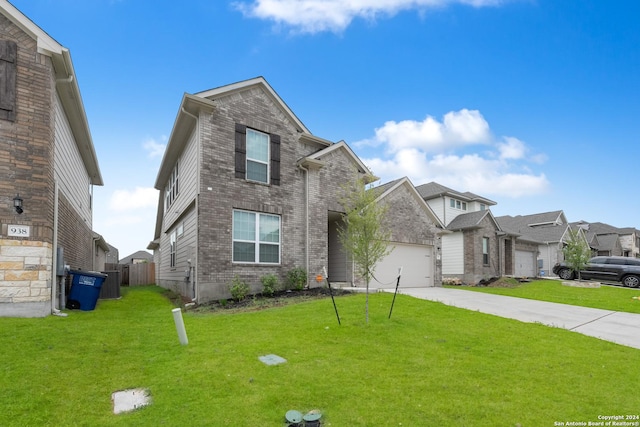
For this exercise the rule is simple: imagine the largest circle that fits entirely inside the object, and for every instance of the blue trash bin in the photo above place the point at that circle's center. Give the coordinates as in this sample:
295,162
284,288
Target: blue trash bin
85,289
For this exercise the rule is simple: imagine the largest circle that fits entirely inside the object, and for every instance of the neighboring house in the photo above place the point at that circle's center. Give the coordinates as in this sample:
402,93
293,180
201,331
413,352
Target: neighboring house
100,252
247,190
139,257
474,248
607,240
113,256
548,231
48,165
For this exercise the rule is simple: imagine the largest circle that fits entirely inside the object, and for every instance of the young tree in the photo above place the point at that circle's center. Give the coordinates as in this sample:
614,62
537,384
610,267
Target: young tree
363,233
576,252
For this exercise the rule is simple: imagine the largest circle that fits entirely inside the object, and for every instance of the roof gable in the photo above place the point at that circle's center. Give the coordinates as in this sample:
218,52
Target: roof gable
385,190
316,158
472,220
433,190
233,88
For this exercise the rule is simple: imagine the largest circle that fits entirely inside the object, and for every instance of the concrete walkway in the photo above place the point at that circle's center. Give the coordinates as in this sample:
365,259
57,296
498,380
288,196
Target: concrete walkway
614,326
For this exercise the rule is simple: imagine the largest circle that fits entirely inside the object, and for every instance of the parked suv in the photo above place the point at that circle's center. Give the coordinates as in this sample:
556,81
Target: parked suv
609,268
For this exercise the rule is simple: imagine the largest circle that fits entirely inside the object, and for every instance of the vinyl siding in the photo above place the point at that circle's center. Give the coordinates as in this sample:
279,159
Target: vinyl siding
187,182
181,212
70,172
453,253
437,206
174,277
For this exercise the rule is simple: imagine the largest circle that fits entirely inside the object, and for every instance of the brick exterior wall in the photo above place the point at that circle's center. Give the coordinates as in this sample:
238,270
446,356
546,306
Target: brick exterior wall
256,110
27,168
74,236
474,268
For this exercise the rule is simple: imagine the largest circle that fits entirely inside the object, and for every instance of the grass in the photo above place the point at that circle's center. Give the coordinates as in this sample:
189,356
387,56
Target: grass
429,364
613,298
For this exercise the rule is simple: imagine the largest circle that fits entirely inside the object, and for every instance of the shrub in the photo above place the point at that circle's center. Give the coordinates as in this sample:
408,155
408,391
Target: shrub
269,284
239,289
297,278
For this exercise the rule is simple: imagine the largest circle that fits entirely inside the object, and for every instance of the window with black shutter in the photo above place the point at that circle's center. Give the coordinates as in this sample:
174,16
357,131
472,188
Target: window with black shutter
257,155
8,59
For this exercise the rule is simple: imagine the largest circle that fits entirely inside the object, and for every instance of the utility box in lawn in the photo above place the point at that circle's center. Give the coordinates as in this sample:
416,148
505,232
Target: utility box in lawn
85,289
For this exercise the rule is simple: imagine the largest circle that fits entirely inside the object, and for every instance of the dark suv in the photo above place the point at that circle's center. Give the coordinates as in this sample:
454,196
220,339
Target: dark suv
609,268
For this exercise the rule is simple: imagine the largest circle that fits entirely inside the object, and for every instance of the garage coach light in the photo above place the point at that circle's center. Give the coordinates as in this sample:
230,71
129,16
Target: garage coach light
17,203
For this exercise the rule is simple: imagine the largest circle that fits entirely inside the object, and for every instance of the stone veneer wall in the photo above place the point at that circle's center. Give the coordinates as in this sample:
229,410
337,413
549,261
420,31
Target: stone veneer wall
25,278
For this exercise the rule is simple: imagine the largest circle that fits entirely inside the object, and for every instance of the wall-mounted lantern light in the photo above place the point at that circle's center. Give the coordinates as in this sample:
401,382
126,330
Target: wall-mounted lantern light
17,203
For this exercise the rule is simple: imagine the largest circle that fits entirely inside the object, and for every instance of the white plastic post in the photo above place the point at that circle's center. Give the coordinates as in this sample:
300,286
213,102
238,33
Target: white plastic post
182,332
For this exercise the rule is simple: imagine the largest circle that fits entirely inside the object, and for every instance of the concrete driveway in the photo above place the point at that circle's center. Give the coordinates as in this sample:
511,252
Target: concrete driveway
614,326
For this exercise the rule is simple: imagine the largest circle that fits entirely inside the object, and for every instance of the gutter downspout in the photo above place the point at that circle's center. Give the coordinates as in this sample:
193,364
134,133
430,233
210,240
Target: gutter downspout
191,276
306,216
54,257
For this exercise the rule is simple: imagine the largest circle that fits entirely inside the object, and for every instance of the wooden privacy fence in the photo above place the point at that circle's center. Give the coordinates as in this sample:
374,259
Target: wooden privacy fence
135,274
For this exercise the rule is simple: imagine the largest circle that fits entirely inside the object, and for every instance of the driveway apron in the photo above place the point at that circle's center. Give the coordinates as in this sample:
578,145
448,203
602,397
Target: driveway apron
617,327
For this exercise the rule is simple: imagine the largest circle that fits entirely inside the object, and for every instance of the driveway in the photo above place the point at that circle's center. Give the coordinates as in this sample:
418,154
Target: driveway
618,327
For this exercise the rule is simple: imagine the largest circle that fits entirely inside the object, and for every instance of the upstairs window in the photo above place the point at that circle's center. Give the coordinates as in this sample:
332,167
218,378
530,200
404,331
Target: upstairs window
171,190
257,155
256,237
457,204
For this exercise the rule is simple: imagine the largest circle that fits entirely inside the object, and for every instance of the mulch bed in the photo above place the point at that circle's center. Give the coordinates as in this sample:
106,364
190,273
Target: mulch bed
280,298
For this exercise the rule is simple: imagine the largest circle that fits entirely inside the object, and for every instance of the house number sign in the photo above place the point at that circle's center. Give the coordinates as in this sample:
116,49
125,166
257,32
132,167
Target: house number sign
18,230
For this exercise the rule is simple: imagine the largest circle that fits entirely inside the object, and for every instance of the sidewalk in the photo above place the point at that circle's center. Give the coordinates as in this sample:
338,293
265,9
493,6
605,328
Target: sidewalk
617,327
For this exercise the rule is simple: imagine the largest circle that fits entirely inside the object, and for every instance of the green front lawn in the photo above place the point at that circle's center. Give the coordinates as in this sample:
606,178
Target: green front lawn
430,364
614,298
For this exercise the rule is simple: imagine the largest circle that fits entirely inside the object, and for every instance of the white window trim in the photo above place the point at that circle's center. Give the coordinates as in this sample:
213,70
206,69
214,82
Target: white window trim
249,159
173,249
172,188
457,204
486,251
256,242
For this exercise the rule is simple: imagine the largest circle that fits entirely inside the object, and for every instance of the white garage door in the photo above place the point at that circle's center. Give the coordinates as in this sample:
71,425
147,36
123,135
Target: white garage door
525,264
417,267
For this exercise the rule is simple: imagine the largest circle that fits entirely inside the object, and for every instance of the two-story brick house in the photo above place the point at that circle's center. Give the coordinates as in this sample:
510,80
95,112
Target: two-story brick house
247,190
47,163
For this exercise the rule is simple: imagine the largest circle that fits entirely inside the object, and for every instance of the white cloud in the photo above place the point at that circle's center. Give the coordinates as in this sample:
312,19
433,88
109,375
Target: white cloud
512,148
313,16
430,151
154,148
457,128
469,172
129,200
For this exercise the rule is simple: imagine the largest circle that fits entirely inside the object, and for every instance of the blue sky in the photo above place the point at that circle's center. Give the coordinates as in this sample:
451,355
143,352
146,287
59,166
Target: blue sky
534,104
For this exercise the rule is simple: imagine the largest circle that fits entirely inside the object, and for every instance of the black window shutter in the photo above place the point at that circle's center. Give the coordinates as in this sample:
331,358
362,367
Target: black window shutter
8,59
241,151
275,159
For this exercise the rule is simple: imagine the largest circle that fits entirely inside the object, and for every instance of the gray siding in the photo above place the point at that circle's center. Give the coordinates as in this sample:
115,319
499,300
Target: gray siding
70,172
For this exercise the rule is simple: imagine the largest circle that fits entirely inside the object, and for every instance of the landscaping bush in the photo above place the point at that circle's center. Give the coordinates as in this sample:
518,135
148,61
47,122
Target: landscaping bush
239,289
297,278
270,284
